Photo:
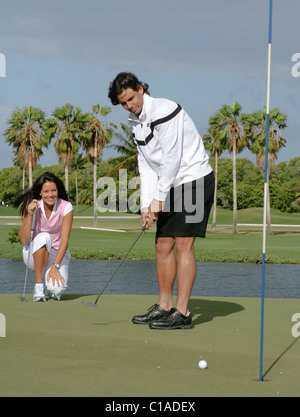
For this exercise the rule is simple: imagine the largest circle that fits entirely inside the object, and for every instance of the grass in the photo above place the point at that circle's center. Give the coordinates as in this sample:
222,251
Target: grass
66,349
220,246
252,215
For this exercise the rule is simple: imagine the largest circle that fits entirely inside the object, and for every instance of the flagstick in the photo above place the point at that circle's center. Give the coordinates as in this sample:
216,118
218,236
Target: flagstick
265,196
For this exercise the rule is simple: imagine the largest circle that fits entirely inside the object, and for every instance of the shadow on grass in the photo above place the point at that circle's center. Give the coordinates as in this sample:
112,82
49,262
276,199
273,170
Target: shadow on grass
69,297
280,356
206,310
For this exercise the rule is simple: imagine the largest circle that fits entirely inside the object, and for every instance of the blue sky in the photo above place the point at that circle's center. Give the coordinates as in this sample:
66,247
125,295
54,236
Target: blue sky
201,54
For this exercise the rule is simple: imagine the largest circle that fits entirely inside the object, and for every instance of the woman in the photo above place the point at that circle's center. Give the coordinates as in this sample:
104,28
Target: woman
53,222
174,169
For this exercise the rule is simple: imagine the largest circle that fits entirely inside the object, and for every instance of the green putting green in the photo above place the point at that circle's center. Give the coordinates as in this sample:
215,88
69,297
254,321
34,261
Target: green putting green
69,349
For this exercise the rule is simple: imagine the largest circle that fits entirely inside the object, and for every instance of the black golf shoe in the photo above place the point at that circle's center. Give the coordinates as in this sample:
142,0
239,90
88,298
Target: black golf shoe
154,313
174,320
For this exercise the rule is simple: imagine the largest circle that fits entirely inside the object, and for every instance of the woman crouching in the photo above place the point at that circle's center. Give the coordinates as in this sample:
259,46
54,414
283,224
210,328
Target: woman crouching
49,254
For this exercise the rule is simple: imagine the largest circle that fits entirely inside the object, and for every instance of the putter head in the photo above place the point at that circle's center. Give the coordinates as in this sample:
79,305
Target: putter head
89,304
23,299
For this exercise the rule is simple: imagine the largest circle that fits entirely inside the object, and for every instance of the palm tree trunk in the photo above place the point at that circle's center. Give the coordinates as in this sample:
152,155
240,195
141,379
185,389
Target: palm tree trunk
235,230
214,222
23,177
30,171
76,185
67,178
95,185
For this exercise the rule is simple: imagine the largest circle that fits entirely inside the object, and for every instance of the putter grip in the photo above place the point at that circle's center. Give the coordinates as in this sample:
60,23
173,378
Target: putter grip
33,220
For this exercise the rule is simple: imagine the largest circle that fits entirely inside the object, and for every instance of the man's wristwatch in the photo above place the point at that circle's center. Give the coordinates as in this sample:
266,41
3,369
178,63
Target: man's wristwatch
56,264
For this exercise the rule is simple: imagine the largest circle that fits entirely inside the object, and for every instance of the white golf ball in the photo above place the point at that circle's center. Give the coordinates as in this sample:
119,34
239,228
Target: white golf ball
202,364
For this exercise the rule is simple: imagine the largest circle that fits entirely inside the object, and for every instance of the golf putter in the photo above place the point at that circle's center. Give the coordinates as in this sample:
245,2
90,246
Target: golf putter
22,297
113,274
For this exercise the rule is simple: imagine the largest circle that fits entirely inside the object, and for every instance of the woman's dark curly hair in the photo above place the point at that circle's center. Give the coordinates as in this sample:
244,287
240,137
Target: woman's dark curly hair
123,81
25,197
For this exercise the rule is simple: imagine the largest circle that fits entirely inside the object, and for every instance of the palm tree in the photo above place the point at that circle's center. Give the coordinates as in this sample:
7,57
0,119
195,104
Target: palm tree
19,164
95,136
79,162
212,144
66,126
26,134
256,132
127,149
229,122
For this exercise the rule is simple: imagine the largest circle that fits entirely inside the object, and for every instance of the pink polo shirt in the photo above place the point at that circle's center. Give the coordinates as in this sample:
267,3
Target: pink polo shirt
54,224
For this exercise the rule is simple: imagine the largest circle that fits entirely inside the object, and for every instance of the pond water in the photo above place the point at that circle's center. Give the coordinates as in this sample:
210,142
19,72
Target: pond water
139,277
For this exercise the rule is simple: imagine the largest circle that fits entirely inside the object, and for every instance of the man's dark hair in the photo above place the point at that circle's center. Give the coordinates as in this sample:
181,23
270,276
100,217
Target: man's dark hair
123,81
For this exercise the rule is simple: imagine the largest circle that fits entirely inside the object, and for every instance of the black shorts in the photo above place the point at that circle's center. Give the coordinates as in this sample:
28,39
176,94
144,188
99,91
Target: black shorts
187,209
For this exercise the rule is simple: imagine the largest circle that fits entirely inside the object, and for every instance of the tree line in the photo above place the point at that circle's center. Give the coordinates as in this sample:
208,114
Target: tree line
239,183
284,181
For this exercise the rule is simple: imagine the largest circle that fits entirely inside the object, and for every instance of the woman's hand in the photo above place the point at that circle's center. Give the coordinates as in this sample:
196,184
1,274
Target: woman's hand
25,229
56,276
33,205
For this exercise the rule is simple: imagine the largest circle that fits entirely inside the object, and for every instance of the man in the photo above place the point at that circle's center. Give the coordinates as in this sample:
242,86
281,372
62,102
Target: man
177,186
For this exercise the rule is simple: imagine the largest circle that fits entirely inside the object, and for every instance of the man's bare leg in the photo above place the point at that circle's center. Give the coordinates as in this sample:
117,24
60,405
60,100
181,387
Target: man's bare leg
186,272
166,270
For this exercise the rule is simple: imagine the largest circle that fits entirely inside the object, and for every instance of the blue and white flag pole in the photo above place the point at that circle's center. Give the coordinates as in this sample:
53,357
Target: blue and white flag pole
265,196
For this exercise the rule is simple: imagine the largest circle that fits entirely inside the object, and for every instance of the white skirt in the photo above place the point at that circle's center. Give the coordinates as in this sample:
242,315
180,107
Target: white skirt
44,239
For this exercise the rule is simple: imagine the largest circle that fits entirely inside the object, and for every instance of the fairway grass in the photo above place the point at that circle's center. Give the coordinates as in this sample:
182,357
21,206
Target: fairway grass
69,349
222,246
87,242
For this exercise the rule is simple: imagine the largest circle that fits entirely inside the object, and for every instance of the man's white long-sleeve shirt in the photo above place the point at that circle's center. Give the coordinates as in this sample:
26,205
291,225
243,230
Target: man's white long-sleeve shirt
170,149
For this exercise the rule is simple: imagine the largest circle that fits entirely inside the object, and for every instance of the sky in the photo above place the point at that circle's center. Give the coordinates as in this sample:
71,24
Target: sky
201,54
